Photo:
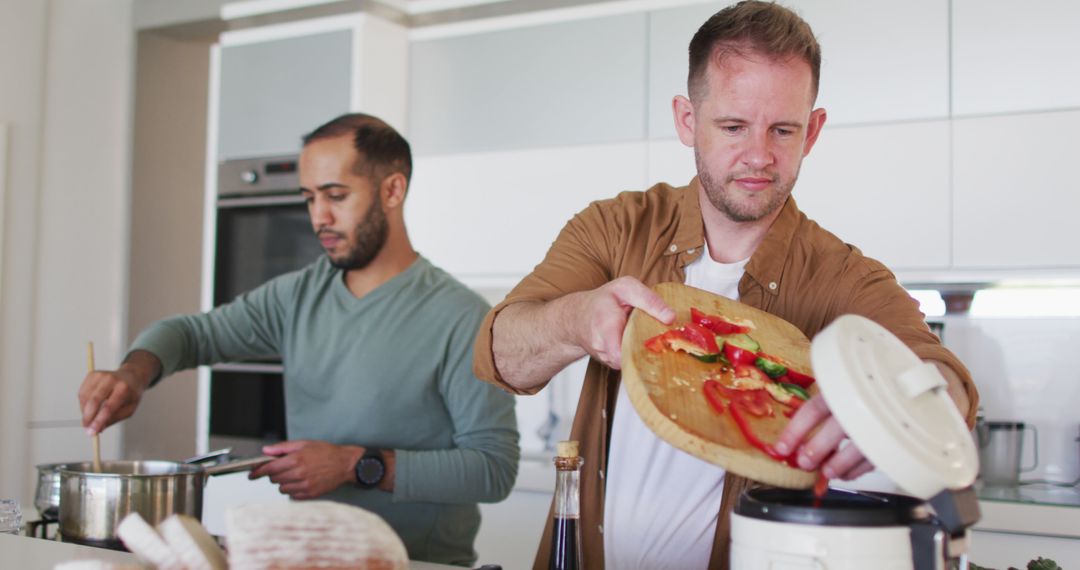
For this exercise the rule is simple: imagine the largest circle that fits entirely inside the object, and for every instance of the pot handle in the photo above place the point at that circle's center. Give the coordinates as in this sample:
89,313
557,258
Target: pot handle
208,456
237,466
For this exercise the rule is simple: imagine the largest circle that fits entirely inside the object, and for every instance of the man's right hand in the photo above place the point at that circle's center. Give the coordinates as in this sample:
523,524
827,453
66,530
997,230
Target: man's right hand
604,312
533,341
107,397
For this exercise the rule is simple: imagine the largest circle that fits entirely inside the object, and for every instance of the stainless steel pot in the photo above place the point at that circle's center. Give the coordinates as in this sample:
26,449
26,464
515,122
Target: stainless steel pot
92,504
47,492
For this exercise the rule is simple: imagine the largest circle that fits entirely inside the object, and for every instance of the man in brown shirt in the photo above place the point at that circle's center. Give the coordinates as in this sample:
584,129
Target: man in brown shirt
750,118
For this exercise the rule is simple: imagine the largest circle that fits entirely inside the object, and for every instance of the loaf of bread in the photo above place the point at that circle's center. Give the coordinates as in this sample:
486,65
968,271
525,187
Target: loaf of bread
310,534
195,547
94,565
145,542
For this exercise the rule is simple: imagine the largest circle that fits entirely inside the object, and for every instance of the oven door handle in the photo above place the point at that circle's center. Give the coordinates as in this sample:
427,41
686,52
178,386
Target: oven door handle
255,201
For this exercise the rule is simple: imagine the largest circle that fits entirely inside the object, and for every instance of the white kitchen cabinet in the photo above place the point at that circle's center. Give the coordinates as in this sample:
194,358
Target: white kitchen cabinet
510,531
489,218
277,83
1010,534
671,162
888,63
1008,57
884,189
561,84
1015,202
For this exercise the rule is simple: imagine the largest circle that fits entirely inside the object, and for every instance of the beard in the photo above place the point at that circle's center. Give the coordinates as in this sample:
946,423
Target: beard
727,200
369,236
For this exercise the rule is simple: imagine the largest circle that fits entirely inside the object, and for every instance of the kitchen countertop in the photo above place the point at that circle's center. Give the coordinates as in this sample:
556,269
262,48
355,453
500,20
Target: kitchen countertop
1037,509
26,553
1036,494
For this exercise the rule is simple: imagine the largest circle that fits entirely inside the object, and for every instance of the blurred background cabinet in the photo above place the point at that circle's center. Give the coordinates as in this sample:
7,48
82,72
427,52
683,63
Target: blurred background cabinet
277,83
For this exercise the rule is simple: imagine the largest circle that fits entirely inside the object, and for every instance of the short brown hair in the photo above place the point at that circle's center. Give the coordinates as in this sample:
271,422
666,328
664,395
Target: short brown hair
751,27
383,149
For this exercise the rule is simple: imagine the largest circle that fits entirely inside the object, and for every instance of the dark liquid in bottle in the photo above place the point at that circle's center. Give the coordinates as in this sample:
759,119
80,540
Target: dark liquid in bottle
564,545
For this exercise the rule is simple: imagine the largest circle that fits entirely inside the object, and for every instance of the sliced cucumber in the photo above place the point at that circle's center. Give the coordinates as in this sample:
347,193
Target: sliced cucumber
742,341
779,394
796,390
773,369
711,358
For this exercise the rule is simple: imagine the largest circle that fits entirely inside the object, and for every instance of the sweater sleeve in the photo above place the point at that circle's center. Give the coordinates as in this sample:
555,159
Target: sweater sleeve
482,465
578,260
879,297
248,327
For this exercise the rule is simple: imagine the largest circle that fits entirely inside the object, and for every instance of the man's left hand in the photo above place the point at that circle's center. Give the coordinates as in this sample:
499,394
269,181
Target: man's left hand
825,447
306,469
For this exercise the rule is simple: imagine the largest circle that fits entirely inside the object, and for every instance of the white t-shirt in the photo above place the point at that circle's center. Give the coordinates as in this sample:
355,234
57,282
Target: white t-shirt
661,504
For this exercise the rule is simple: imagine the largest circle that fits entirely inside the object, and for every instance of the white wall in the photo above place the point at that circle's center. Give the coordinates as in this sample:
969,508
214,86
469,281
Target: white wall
66,68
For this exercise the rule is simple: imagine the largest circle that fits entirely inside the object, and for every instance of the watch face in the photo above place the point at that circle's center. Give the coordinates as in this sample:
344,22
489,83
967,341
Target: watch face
369,471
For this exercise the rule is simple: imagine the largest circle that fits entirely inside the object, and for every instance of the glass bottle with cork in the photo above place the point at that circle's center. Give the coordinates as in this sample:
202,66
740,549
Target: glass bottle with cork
566,535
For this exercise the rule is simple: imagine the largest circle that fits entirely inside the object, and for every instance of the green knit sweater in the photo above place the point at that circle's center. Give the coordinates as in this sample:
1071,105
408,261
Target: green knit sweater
392,370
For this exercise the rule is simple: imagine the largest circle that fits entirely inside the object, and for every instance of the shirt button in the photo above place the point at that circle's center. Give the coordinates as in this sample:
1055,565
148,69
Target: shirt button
673,248
603,413
691,250
601,527
601,472
772,286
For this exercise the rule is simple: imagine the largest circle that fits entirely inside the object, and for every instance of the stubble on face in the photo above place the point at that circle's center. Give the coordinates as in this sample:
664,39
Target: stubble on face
369,237
732,202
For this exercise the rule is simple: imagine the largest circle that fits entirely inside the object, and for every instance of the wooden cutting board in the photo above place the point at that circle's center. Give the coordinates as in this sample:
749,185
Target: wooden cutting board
666,388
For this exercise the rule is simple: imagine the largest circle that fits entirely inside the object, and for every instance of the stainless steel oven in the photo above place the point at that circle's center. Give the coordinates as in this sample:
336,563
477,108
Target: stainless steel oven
263,230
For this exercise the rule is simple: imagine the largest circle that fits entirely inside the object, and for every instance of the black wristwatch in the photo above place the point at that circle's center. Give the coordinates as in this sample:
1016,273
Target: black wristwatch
370,469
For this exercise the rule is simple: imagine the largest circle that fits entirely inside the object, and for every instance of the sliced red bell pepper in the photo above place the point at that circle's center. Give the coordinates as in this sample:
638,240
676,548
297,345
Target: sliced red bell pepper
821,486
797,378
659,343
700,336
711,389
718,324
751,372
748,433
755,402
736,355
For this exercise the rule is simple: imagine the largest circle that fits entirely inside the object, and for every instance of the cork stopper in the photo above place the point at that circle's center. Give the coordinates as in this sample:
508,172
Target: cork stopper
567,448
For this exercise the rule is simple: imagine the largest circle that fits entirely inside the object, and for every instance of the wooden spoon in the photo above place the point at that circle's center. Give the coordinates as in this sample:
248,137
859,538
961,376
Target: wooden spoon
95,440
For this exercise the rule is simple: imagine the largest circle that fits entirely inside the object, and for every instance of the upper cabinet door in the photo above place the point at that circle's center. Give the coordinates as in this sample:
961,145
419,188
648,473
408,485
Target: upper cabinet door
886,63
1010,56
274,91
1016,201
278,83
892,201
550,85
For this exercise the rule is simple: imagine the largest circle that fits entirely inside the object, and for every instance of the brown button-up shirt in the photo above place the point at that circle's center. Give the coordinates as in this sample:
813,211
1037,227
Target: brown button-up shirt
799,272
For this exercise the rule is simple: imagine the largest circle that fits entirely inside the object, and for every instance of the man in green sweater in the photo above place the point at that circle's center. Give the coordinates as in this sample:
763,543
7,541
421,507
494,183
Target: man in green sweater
382,408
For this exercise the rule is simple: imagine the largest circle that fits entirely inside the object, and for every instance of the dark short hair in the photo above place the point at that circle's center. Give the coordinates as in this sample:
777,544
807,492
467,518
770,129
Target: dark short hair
751,27
382,149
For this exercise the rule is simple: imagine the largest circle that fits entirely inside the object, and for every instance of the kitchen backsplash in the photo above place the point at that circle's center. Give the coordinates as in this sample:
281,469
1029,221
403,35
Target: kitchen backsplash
1025,372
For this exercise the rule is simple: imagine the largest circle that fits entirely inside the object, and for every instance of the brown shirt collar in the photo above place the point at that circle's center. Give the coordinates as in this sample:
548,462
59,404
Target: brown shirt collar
766,264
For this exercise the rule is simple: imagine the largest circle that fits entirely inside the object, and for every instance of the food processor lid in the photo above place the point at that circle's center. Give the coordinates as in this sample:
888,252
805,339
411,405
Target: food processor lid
894,407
